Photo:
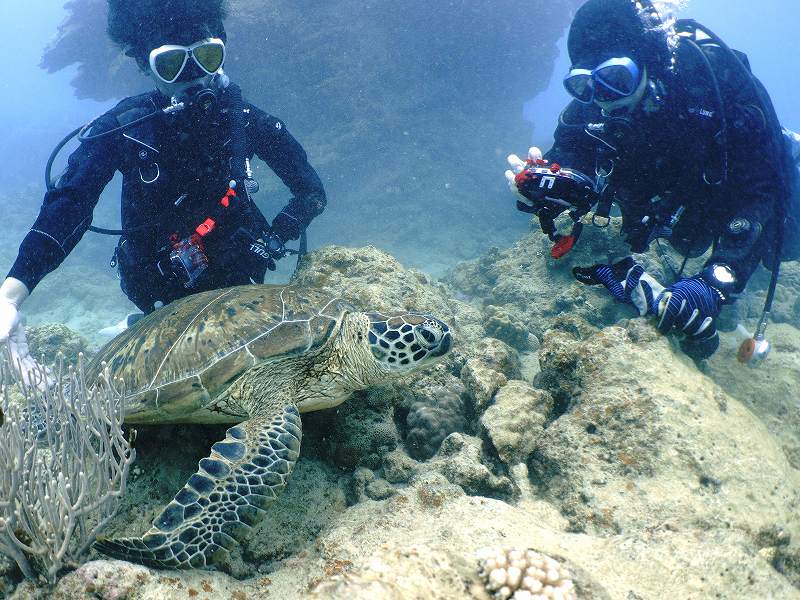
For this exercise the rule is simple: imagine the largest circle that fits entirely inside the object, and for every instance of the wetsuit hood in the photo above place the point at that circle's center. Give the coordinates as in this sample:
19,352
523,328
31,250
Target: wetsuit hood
138,27
603,29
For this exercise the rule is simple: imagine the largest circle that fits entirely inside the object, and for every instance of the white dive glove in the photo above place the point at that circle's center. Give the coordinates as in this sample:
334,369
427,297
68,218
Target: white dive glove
12,294
517,166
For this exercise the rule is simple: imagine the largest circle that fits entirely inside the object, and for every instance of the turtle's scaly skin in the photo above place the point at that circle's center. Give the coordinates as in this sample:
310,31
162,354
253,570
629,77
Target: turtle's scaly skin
258,356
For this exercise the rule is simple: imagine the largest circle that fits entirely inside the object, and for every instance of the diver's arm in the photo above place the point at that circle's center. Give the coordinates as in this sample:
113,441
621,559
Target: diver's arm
573,147
745,239
756,186
66,211
285,156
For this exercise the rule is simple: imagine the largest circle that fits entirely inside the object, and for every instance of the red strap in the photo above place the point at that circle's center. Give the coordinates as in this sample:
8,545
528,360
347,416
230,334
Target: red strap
562,246
205,227
226,199
209,224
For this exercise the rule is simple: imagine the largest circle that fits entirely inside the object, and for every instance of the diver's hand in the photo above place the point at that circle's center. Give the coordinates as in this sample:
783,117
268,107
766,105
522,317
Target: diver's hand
627,281
12,294
518,166
691,306
9,319
24,365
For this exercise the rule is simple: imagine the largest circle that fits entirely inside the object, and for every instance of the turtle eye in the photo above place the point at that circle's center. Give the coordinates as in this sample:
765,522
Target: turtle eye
428,334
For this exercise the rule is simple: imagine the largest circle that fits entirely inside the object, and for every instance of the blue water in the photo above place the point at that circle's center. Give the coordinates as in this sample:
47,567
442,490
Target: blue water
455,219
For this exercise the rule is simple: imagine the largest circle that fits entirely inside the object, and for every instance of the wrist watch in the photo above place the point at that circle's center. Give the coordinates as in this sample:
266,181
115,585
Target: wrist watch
721,277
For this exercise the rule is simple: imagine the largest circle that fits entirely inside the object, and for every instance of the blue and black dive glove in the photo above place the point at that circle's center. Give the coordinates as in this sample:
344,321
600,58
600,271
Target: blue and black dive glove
627,281
689,306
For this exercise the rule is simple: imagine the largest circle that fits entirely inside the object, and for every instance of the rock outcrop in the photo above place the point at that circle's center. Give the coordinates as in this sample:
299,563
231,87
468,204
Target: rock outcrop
635,471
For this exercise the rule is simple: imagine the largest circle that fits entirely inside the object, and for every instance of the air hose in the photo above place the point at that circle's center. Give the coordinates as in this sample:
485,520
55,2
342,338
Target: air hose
81,133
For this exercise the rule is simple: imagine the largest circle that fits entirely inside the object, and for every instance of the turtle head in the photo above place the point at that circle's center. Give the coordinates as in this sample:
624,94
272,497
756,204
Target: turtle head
408,341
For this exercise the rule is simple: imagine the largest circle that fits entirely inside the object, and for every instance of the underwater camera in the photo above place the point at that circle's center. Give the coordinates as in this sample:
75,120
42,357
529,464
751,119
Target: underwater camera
550,190
550,184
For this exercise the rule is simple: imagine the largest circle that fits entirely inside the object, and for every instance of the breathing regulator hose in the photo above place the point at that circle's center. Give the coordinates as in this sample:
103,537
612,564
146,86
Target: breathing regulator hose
240,163
753,351
82,133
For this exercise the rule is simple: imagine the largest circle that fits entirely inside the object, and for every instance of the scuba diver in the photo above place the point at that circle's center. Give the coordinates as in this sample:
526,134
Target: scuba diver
188,221
668,123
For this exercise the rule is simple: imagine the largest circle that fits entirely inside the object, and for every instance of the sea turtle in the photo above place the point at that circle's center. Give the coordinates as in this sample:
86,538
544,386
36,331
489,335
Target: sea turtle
257,356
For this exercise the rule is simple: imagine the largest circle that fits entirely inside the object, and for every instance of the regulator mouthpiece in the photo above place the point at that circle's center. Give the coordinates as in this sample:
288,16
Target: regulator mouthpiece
753,351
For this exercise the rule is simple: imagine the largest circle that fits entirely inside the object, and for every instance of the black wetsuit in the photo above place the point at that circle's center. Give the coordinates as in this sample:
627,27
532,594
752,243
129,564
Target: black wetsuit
670,154
163,160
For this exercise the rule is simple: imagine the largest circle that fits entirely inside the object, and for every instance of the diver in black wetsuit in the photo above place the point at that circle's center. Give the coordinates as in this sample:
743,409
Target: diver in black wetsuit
683,138
188,223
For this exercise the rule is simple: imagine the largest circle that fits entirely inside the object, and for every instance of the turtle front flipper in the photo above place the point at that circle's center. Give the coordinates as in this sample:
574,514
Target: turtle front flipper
227,496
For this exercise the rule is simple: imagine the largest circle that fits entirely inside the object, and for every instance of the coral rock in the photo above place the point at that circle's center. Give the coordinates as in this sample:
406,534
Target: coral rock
371,279
459,460
50,339
502,324
498,355
482,382
398,467
110,579
366,485
437,412
355,434
647,439
515,422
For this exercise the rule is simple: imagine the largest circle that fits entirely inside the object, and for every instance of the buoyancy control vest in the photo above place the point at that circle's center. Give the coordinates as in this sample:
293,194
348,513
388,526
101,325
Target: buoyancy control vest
784,229
186,209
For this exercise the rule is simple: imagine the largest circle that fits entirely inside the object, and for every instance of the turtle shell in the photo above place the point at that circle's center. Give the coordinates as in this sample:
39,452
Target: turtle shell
179,358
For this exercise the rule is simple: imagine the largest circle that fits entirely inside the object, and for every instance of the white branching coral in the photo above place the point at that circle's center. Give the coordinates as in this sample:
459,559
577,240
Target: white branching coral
524,575
64,462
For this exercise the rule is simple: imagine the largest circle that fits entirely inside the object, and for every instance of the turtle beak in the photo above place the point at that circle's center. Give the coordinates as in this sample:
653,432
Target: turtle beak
446,345
435,335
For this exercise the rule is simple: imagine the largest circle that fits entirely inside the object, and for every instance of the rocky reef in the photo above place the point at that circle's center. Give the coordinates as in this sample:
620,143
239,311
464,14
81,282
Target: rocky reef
50,341
618,460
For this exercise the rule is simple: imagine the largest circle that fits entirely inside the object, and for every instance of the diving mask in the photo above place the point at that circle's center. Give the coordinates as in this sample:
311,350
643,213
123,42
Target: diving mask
169,62
611,80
